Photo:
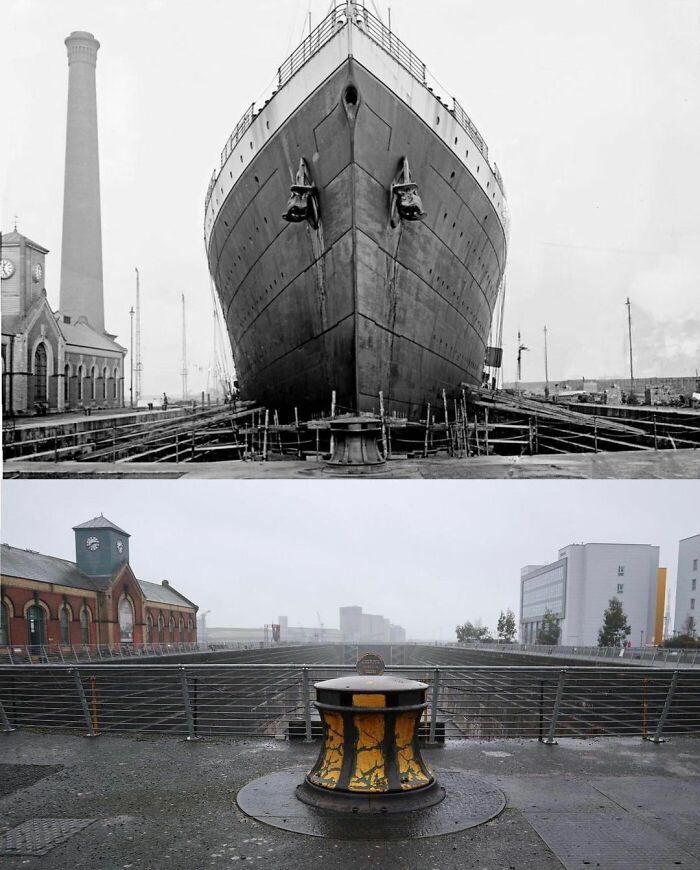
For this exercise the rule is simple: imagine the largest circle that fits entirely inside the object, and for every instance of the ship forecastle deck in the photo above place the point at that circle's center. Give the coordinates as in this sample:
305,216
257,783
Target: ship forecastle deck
356,305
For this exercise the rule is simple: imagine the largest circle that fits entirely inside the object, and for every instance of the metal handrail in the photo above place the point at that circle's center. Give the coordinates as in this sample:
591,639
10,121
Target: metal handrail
263,700
344,12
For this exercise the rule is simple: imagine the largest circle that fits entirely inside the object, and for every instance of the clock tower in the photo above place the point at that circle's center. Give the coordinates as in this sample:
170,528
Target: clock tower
100,547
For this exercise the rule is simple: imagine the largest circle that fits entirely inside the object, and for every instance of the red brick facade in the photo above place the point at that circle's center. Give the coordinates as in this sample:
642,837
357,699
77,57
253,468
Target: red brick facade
74,617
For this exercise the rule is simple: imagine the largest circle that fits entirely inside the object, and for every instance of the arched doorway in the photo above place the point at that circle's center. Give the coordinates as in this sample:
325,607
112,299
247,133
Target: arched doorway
41,390
36,627
126,621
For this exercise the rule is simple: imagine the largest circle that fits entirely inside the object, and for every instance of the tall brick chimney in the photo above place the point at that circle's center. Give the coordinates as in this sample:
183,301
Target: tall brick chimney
81,250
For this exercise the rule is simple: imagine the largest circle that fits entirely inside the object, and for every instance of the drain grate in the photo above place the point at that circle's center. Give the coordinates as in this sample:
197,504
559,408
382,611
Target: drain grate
39,836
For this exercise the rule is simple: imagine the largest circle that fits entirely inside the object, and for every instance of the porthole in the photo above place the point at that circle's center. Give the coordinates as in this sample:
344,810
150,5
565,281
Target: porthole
267,125
256,178
241,158
452,174
437,120
477,168
265,219
251,146
488,184
230,173
466,153
456,140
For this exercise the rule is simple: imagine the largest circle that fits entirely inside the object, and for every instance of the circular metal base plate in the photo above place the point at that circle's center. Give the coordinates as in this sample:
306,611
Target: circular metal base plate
468,802
366,804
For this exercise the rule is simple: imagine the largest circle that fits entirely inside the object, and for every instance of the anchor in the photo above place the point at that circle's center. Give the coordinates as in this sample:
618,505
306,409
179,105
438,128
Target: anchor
303,200
406,203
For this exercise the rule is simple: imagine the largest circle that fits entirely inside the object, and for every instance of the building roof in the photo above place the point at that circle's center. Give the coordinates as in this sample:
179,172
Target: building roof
101,522
15,238
157,593
80,334
30,565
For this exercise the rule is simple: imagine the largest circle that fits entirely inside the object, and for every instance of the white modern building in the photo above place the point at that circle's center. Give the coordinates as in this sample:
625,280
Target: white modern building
687,591
578,586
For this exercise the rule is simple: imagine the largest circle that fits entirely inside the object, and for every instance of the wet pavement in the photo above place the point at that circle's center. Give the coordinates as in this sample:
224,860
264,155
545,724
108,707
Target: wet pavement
629,465
161,802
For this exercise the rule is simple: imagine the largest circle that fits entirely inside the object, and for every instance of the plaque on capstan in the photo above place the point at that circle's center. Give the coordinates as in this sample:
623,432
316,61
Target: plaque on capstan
370,665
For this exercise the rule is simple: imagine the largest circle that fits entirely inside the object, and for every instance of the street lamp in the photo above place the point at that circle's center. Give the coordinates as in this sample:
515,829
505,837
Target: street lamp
131,359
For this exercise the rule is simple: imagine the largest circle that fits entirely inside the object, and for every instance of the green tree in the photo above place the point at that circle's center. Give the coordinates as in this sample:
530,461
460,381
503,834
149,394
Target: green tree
472,631
615,629
548,633
506,626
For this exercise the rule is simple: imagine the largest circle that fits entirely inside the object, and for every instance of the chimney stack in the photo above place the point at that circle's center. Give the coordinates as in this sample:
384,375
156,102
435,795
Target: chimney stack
81,250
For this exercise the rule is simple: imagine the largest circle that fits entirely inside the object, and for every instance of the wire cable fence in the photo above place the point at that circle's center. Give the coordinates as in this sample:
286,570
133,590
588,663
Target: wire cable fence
276,700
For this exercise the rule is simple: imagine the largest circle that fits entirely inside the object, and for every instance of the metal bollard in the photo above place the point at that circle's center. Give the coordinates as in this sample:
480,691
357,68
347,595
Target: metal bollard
6,727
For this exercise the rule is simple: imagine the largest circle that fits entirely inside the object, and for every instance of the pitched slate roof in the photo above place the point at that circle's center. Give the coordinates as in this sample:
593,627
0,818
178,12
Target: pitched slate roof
31,565
101,522
156,593
79,333
14,238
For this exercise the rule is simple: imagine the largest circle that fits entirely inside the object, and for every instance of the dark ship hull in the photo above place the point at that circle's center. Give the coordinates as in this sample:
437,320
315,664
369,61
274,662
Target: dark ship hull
356,305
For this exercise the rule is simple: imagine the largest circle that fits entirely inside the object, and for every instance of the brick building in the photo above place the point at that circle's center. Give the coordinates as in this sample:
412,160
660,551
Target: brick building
97,599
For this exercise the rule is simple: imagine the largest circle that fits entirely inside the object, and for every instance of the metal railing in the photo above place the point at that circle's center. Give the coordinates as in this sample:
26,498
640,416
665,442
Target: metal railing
238,131
381,35
650,654
56,653
266,700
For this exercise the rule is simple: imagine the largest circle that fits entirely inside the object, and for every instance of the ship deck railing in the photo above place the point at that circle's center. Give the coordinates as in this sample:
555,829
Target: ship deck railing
374,28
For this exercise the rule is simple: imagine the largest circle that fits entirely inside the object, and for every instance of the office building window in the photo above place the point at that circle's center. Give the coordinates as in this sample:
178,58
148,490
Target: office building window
692,604
692,584
620,588
620,570
695,564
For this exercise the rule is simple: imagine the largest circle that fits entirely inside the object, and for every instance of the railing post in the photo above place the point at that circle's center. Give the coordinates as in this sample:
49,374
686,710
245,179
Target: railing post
550,740
658,738
83,701
434,705
307,705
6,727
191,730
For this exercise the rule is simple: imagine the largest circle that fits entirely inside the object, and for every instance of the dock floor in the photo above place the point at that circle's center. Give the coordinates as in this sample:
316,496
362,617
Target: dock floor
627,465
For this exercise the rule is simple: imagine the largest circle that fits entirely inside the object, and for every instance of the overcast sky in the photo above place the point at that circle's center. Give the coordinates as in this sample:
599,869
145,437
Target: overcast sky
427,555
591,108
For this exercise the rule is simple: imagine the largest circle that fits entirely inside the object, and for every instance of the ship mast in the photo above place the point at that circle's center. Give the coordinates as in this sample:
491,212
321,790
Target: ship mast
138,366
546,370
521,348
184,352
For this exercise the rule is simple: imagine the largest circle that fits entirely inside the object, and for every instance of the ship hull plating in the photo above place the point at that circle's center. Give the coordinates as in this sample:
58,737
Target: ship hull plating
357,306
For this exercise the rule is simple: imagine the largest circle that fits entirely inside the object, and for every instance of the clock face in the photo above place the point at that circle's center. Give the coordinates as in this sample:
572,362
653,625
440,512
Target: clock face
120,546
7,269
37,272
92,543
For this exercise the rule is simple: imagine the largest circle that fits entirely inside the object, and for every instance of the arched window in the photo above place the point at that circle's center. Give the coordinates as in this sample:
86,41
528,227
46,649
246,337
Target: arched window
182,630
85,625
149,629
81,378
161,624
36,631
105,378
4,624
171,629
40,373
115,374
126,620
66,384
93,383
64,624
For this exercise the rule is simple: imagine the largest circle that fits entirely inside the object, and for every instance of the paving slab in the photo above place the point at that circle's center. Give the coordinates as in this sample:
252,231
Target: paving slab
161,802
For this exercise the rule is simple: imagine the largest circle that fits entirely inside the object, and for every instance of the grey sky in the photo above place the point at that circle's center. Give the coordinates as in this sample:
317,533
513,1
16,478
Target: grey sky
591,108
426,555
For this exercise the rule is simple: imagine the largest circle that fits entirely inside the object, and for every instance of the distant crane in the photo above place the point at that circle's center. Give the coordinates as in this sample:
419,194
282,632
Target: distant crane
184,352
138,364
203,627
321,627
546,370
